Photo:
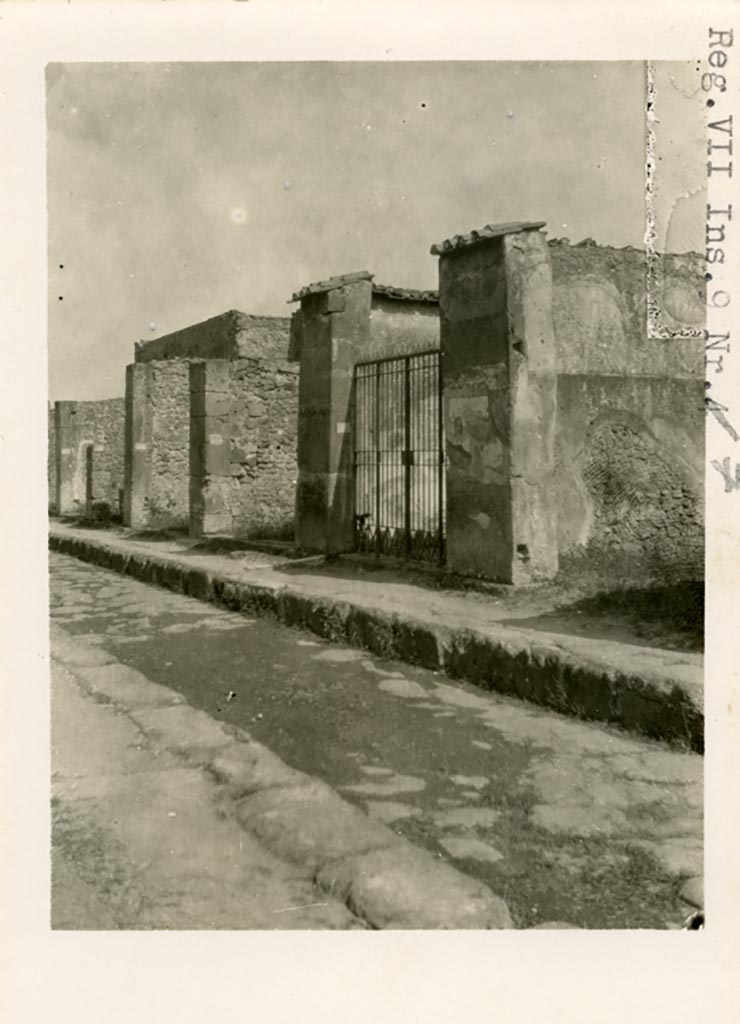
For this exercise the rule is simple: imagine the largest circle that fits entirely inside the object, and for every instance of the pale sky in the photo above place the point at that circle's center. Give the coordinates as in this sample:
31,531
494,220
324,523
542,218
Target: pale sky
179,191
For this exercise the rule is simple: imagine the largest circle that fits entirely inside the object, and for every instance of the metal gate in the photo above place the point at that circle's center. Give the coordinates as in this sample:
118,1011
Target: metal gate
399,478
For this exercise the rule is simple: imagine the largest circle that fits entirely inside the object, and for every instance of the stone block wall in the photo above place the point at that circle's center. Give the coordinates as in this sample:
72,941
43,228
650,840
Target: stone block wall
169,393
230,335
157,444
630,438
243,448
89,456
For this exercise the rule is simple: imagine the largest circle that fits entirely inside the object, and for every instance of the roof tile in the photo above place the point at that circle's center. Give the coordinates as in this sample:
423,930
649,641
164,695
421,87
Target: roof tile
407,294
484,234
332,282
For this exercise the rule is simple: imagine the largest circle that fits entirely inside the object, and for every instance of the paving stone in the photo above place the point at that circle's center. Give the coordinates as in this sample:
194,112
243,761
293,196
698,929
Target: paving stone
388,787
468,848
191,732
402,688
468,817
247,767
74,651
310,825
476,781
659,766
676,856
126,686
572,817
405,887
460,698
391,810
692,891
338,655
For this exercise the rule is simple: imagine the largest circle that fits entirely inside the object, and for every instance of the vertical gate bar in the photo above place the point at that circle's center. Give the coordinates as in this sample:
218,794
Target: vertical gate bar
428,472
89,495
407,458
355,457
363,427
440,461
377,458
429,417
413,445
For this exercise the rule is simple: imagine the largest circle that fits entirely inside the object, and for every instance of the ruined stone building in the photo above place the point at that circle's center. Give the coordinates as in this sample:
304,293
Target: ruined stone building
86,457
517,423
211,429
342,323
563,434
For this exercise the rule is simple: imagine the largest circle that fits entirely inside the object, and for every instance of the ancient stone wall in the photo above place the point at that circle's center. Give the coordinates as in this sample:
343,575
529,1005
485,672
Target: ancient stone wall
157,444
243,448
630,439
231,335
169,395
98,426
263,458
158,450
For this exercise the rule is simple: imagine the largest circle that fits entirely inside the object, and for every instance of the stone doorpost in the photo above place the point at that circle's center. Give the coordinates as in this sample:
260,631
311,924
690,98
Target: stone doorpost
500,390
335,331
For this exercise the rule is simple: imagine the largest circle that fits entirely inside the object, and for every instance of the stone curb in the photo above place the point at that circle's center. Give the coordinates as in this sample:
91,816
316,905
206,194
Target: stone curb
381,877
544,669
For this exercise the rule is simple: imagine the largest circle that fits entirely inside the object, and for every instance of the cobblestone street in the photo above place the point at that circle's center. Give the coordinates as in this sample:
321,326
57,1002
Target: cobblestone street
565,821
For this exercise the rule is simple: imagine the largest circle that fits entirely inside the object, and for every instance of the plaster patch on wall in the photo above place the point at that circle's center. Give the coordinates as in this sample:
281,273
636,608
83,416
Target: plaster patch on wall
597,307
483,520
683,306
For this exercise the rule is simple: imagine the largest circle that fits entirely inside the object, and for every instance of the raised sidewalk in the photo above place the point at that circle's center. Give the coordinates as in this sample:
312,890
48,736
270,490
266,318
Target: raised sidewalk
644,689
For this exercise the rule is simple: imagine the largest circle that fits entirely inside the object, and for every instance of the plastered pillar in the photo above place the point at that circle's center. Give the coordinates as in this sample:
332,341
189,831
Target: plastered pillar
500,391
335,332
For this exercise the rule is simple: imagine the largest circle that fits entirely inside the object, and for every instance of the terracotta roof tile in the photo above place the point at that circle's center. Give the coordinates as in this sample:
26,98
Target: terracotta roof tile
332,282
407,294
483,234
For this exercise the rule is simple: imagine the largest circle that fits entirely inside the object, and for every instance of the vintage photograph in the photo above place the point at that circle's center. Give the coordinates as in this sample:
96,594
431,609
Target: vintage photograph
376,494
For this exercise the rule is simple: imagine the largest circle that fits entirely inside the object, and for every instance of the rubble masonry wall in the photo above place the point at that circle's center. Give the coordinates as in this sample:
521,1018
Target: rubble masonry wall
169,395
243,462
231,335
263,456
78,426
